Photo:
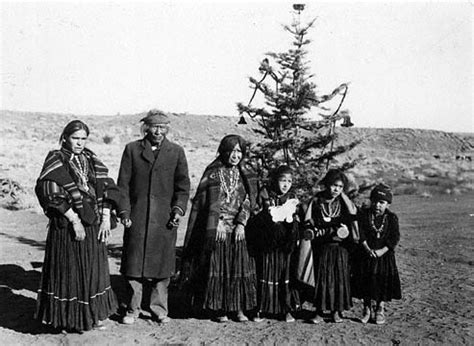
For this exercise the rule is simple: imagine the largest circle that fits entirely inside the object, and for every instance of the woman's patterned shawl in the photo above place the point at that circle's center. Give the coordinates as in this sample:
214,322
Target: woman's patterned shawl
202,223
54,169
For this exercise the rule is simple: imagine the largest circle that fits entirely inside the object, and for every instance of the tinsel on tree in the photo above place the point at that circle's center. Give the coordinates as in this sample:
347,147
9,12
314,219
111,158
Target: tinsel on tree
289,136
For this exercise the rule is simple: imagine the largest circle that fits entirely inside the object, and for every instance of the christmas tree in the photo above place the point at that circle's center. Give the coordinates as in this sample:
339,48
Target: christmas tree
289,136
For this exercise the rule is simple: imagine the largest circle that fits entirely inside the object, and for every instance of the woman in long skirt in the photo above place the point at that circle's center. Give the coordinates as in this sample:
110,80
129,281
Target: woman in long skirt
222,278
76,195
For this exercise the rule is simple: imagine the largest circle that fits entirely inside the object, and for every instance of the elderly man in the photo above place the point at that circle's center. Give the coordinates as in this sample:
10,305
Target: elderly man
154,184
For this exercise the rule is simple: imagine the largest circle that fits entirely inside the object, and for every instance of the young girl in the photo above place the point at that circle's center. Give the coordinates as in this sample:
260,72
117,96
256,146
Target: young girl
330,223
274,234
376,275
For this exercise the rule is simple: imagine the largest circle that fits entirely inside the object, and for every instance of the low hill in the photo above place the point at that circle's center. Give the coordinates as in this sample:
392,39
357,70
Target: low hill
413,161
207,129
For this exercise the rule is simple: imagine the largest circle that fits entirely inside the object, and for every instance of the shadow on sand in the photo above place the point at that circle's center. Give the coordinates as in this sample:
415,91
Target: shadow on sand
16,309
177,298
34,243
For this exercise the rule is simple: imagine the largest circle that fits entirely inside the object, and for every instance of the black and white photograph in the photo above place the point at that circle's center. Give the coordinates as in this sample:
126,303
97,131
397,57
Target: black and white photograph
250,173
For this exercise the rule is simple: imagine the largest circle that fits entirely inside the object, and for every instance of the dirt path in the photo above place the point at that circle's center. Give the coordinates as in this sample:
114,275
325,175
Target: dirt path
435,259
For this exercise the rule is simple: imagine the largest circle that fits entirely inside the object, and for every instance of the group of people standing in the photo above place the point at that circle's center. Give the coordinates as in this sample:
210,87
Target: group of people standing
249,250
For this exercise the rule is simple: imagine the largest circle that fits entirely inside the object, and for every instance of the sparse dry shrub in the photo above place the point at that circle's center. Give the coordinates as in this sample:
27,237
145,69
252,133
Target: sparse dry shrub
107,139
409,174
469,186
426,195
431,172
13,196
456,191
405,189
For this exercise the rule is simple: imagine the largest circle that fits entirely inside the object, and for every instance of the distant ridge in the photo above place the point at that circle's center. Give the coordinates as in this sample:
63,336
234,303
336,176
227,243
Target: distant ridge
205,129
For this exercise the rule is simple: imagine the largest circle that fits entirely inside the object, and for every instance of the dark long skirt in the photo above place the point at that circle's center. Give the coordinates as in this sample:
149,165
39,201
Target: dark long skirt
224,278
275,292
376,278
332,277
75,291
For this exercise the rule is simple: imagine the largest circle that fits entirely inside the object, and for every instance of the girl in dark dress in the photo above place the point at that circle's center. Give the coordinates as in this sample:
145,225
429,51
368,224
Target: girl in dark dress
330,222
274,240
76,195
222,274
375,273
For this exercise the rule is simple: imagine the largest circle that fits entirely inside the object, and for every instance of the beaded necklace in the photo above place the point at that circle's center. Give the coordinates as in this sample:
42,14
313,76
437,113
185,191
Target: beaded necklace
80,166
378,230
228,182
330,213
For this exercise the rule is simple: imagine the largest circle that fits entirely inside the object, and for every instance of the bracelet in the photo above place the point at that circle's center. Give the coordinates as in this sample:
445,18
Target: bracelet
74,219
105,214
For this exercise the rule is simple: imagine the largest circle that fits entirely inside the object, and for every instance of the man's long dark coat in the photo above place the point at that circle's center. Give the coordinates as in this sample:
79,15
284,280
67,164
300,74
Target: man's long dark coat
150,188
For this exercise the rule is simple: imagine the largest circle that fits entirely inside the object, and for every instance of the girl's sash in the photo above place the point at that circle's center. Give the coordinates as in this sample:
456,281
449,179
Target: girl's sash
305,269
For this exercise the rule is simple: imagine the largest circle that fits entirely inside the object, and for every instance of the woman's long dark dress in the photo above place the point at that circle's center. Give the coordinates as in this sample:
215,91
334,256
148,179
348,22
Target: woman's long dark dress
377,278
75,291
331,258
273,245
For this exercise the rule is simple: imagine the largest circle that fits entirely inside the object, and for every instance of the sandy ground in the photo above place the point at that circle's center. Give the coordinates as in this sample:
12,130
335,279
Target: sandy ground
435,260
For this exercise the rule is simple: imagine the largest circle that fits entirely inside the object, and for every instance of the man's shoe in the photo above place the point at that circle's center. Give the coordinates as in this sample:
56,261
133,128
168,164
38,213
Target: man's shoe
128,319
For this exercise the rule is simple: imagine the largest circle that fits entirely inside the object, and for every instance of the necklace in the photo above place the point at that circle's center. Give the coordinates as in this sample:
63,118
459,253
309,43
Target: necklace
80,166
229,182
330,213
378,230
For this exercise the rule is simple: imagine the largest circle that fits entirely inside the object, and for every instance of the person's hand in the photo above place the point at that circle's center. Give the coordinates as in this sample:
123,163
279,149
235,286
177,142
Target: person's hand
220,232
79,231
77,226
379,252
174,220
239,232
126,222
369,251
104,230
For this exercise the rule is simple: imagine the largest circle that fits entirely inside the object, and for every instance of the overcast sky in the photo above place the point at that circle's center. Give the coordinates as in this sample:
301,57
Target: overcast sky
409,63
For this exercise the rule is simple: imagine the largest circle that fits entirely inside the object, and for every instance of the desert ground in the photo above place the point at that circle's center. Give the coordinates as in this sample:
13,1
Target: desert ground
434,198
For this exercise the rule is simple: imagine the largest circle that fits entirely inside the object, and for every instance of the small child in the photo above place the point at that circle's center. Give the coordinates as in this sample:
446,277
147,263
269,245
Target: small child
274,235
376,274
